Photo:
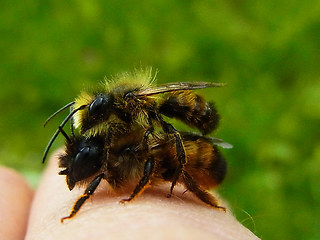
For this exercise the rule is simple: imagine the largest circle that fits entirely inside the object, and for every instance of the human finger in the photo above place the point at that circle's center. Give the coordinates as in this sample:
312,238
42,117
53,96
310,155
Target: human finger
14,204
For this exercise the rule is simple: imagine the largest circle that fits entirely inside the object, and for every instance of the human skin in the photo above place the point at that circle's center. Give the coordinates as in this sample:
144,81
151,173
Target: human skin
15,202
150,216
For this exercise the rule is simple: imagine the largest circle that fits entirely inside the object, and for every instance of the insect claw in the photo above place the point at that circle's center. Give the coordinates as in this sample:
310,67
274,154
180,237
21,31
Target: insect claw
64,218
123,201
221,208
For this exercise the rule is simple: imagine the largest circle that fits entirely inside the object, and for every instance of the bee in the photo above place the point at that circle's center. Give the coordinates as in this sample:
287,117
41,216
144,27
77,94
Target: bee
132,100
128,163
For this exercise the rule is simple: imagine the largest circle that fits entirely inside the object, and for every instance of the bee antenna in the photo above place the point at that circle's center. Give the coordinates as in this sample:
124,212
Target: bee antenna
57,112
55,135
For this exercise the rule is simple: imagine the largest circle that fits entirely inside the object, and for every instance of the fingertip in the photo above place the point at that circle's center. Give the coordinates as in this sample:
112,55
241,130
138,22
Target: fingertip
14,204
14,184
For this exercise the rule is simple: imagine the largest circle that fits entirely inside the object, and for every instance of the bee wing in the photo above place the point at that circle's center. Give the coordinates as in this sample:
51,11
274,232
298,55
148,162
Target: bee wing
220,143
179,86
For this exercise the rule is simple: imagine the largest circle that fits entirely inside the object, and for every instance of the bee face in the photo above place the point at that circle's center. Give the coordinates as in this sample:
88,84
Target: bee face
83,159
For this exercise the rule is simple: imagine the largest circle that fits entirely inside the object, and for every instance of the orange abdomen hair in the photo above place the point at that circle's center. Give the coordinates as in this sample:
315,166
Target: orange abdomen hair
205,163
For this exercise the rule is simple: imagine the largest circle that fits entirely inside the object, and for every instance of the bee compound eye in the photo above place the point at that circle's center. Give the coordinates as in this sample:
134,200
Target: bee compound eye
86,162
96,105
101,105
82,155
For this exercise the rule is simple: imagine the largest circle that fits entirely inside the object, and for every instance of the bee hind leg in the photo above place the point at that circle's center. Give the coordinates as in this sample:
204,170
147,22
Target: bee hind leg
181,153
87,193
145,180
203,195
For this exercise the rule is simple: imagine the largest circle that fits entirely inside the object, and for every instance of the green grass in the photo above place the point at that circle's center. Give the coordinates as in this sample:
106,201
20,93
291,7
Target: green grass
268,52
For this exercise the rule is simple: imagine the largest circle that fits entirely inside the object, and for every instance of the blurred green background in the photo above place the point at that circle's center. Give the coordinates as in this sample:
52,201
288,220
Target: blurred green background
268,52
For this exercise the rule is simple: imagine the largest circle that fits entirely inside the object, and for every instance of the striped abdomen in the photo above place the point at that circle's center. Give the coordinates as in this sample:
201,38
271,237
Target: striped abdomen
191,109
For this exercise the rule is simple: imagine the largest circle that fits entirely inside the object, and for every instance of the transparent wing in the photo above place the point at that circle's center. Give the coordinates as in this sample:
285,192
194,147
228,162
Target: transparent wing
220,143
179,86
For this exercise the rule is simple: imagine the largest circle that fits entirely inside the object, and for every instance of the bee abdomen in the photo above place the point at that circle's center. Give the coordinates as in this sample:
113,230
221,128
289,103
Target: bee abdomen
193,110
218,168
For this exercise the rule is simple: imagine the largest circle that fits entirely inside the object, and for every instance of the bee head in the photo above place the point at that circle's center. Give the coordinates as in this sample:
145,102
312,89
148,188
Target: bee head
83,158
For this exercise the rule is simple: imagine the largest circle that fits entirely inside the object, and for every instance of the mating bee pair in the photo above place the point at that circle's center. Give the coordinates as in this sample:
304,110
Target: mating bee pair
125,140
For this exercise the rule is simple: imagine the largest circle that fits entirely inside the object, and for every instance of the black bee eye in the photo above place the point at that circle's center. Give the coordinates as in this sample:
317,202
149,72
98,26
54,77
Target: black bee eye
83,155
86,163
96,105
100,106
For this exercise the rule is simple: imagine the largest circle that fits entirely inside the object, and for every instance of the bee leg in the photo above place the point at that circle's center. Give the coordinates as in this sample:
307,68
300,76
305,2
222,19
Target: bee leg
169,129
145,140
145,180
87,193
147,133
203,195
64,134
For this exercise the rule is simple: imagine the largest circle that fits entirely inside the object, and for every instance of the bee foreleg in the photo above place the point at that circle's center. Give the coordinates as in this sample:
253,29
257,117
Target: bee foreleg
64,134
203,195
181,153
87,193
145,180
